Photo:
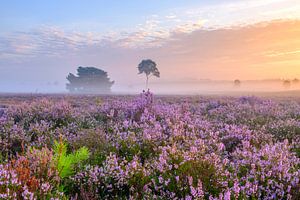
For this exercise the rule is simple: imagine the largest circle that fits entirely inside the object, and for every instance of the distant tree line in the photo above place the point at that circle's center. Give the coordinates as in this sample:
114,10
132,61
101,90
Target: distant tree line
91,80
286,83
96,81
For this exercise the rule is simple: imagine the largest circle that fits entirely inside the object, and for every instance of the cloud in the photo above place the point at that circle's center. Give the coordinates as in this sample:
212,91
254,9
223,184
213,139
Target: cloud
171,16
48,41
232,13
284,53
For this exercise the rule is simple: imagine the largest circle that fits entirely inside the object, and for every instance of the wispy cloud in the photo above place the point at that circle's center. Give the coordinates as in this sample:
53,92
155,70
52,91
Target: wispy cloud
171,16
283,53
49,41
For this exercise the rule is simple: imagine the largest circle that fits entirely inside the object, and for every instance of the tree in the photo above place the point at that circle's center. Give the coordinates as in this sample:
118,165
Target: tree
296,81
286,84
149,68
89,80
237,83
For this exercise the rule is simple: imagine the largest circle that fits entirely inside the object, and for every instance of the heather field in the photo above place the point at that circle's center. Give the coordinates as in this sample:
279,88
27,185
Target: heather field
149,147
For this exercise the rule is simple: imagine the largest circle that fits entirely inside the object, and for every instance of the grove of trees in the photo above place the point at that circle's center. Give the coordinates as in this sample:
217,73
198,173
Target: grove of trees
89,80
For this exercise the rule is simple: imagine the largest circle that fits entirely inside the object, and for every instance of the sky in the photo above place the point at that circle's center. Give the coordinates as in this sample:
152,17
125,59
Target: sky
42,41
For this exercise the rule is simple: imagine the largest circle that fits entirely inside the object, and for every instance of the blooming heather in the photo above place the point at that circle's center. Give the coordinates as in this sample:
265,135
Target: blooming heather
149,147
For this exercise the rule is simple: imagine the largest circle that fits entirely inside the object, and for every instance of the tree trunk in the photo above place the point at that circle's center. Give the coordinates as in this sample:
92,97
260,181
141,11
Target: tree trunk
147,82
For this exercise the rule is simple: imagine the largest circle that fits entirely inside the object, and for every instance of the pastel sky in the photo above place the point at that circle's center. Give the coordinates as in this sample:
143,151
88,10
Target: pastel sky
42,41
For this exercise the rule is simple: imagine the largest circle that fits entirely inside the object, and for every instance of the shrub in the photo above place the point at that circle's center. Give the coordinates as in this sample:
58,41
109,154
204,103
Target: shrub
31,176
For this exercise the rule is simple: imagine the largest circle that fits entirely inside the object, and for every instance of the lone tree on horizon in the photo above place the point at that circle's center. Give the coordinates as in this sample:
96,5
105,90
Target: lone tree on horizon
237,83
149,68
89,80
295,81
286,84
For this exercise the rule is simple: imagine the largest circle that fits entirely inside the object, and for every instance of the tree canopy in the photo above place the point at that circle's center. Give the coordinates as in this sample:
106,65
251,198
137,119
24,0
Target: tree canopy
237,82
89,80
286,84
149,68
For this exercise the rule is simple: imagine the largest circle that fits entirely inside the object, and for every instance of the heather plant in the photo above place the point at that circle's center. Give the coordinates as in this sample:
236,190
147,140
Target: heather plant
96,142
284,129
59,113
115,178
30,176
187,174
270,173
12,137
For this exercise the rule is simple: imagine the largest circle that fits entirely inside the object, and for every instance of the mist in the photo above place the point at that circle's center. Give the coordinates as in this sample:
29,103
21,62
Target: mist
183,87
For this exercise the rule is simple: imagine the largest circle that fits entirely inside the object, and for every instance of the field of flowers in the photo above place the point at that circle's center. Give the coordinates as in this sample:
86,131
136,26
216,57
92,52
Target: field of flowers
149,147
